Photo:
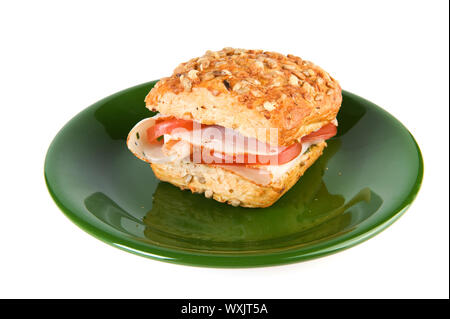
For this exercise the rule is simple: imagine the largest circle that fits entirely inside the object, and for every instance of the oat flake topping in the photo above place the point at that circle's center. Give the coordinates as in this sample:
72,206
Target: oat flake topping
259,79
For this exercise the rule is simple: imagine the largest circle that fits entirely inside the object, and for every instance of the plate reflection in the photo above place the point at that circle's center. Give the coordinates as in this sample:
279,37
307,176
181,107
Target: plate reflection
307,214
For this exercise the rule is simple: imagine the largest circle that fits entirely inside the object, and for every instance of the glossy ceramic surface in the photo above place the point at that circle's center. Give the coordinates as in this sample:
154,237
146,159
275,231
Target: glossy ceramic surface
367,177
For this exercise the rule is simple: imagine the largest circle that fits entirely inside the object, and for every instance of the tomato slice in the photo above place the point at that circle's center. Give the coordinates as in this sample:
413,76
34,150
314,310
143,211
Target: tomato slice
324,133
166,126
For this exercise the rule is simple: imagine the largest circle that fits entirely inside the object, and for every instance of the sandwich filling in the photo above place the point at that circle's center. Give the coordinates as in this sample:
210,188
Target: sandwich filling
166,139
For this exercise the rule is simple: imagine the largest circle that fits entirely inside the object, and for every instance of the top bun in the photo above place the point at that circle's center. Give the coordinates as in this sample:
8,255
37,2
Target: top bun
247,90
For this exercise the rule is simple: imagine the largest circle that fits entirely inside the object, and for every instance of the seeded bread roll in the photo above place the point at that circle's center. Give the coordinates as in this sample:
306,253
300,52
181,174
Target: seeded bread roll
225,186
247,90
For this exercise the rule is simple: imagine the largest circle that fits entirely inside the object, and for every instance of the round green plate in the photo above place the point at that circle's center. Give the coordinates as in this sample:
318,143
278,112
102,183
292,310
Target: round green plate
367,177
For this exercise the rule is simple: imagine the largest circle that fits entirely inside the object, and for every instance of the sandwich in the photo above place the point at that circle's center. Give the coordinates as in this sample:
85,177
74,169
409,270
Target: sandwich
240,126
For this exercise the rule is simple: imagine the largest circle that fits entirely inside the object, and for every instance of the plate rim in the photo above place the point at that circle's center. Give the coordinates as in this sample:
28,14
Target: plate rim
216,260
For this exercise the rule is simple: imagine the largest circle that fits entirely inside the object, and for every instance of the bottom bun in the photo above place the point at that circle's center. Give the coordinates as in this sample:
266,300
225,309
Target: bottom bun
226,186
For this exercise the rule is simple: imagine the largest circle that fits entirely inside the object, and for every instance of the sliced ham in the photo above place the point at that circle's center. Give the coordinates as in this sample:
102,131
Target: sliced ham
223,140
178,145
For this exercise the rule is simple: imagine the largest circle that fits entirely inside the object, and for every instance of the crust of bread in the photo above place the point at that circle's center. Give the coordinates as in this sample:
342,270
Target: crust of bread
228,187
249,90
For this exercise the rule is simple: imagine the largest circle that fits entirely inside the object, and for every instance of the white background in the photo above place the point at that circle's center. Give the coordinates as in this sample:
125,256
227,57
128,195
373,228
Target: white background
58,58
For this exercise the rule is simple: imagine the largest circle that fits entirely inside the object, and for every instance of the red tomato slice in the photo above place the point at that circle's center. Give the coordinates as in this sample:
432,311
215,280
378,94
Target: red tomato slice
324,133
166,126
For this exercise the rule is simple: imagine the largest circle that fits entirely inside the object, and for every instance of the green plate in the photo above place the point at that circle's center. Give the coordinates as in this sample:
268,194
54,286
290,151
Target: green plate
367,177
